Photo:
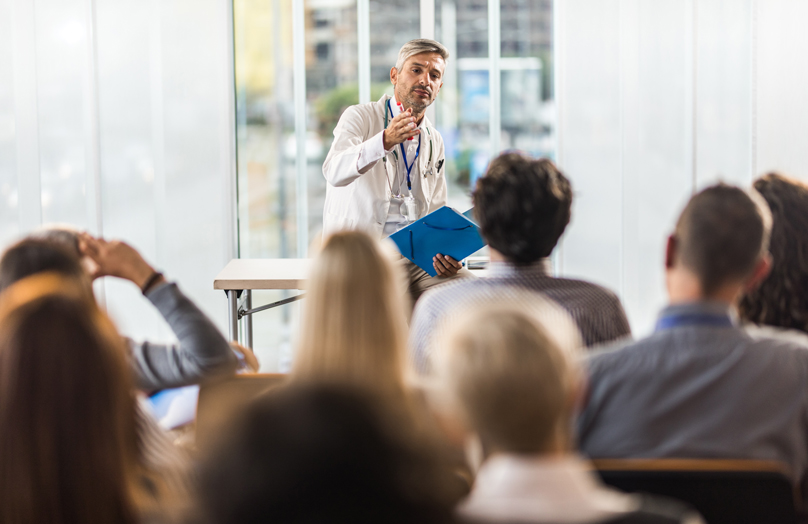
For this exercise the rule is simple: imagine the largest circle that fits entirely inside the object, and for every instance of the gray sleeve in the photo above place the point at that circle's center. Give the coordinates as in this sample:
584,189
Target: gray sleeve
202,351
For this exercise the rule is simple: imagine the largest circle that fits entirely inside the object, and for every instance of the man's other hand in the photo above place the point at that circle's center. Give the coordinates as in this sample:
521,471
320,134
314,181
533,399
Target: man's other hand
446,266
400,129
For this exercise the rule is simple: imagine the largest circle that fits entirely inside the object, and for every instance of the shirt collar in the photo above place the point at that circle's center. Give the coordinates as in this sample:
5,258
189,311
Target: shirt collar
542,267
562,489
703,308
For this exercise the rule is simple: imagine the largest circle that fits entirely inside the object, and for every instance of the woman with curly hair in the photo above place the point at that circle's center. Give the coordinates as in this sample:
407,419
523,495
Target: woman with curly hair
781,300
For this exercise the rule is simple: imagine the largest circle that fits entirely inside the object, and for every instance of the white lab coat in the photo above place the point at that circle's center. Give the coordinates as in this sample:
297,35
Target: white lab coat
355,200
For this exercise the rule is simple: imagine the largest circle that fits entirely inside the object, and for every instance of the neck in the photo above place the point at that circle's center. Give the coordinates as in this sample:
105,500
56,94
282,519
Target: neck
684,287
418,115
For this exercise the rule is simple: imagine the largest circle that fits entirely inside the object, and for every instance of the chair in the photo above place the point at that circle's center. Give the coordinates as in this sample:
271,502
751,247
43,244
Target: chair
219,399
723,491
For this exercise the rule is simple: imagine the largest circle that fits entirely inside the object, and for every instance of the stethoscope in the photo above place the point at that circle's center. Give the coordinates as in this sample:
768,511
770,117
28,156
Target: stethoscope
387,112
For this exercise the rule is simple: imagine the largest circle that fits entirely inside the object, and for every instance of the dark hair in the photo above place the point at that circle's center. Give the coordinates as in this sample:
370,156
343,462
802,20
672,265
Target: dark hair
781,300
311,454
62,235
31,256
522,206
68,447
721,235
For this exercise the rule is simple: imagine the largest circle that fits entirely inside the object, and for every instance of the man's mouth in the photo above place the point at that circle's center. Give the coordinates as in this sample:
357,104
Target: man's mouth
421,92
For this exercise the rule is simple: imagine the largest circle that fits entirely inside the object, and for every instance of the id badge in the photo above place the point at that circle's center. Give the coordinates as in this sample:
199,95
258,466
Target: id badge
409,209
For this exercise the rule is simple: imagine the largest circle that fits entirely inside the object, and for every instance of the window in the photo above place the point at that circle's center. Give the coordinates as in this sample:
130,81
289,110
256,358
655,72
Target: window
281,187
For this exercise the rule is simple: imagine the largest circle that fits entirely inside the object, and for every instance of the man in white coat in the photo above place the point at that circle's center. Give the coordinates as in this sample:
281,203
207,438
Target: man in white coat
386,164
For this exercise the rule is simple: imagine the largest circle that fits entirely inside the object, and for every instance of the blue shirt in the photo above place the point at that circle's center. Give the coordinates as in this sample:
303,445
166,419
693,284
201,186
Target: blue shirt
699,390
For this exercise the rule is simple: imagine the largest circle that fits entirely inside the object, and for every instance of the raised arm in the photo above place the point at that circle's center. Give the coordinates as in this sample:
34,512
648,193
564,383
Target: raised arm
353,153
202,351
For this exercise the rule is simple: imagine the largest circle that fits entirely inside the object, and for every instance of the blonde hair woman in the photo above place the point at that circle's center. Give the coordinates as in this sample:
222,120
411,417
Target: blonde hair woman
353,329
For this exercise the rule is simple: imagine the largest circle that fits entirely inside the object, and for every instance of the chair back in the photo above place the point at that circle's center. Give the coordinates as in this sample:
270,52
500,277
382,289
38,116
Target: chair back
221,398
723,491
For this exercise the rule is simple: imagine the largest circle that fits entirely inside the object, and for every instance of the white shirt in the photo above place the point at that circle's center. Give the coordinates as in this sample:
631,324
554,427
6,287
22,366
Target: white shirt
373,151
561,489
358,194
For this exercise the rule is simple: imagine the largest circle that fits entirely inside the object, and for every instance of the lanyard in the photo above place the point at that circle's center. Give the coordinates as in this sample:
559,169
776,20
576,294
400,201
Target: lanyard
409,167
693,319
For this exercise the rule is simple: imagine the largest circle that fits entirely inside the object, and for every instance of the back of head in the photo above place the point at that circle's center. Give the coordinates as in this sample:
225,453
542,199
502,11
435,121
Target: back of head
307,454
522,206
780,300
67,447
61,234
511,378
353,328
36,255
721,235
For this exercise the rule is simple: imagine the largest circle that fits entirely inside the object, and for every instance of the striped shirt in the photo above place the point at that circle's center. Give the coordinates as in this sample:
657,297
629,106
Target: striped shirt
597,311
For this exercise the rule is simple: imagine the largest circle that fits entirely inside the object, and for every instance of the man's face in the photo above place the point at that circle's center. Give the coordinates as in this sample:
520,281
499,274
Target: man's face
419,81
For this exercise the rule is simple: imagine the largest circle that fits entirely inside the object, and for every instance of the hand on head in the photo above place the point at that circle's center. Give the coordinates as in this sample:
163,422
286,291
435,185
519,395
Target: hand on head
401,128
115,258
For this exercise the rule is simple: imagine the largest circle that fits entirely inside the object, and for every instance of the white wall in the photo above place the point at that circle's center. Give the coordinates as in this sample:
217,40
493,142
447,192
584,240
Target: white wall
117,116
656,99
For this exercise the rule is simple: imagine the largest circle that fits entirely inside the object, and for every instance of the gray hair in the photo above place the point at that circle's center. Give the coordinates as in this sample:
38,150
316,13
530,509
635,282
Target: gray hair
418,46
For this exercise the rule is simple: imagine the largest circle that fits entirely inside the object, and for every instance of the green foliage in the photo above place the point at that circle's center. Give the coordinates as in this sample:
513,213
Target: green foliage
330,105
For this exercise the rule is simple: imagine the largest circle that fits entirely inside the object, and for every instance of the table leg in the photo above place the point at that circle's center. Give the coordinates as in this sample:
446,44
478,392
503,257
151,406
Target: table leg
232,306
248,323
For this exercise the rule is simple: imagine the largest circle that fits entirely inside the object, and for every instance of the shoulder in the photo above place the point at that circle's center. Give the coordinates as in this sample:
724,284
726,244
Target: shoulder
620,359
435,300
776,335
587,288
362,112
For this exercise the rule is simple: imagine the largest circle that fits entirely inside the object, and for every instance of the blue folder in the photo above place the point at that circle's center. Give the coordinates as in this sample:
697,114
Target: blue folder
443,231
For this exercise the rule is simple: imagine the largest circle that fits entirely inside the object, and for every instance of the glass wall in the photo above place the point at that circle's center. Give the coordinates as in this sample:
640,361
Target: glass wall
116,117
273,203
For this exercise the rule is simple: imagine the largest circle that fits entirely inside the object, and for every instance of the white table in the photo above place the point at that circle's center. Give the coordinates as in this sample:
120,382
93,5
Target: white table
241,275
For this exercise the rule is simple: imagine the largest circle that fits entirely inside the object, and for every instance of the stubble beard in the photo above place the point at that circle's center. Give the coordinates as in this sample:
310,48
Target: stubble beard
416,102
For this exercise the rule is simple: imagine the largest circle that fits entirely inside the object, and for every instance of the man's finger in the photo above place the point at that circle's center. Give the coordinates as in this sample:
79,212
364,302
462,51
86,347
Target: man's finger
453,262
88,246
439,269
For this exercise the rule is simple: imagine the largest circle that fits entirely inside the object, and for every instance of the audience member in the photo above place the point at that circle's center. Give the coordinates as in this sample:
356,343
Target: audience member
522,206
68,446
313,454
202,351
513,379
700,386
779,306
353,329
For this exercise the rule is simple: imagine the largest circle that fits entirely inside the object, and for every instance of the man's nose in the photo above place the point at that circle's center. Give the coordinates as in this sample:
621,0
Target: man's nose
424,79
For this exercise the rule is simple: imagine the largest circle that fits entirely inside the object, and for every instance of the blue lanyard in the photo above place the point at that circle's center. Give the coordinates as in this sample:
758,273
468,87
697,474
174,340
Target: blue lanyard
693,319
403,154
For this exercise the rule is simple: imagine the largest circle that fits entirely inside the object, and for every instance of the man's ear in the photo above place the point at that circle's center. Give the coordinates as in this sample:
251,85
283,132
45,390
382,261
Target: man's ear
393,75
759,274
670,251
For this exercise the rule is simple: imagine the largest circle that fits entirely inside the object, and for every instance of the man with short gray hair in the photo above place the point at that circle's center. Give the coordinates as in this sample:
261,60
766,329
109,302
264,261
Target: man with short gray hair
386,167
700,386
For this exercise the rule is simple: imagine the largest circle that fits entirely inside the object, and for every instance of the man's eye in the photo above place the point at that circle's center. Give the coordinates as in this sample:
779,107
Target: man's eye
416,70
